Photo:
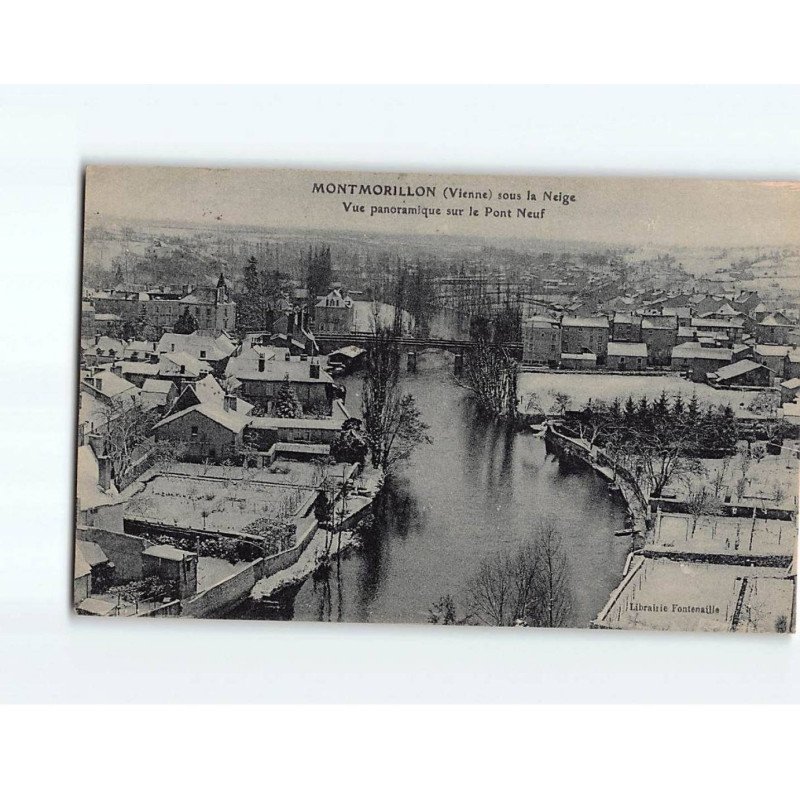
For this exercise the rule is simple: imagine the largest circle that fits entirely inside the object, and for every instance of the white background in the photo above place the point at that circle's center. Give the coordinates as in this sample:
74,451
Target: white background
47,135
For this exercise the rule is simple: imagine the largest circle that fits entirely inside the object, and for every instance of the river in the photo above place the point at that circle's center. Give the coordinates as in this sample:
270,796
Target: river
477,489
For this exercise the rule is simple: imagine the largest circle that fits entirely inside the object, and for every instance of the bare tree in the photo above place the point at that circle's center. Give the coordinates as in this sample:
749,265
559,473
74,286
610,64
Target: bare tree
529,586
561,404
491,374
552,586
702,502
392,422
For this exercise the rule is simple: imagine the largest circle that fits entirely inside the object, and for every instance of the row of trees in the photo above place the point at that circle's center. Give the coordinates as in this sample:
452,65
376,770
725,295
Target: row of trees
657,442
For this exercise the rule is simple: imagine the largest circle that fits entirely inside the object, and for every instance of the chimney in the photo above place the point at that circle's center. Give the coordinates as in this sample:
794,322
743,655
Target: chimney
229,404
288,356
183,369
261,362
117,369
97,338
313,370
155,344
104,472
172,347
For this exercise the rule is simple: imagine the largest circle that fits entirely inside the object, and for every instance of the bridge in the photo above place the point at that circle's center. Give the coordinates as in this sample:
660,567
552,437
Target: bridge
332,341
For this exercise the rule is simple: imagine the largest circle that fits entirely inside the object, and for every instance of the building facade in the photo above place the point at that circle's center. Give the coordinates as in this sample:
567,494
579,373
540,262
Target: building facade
541,341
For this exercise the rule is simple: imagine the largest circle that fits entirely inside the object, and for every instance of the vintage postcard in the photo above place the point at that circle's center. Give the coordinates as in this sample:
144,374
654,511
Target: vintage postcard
439,399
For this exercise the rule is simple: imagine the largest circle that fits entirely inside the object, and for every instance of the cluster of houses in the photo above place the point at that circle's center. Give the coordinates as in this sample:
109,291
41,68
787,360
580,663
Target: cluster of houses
104,311
210,402
719,339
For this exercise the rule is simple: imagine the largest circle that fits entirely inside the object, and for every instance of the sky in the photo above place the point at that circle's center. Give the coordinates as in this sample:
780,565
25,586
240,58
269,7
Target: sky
635,212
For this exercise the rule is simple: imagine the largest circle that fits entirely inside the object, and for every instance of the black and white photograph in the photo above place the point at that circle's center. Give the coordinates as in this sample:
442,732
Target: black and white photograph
438,399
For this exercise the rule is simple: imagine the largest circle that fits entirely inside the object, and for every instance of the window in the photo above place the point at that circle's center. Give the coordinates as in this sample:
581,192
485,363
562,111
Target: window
194,431
202,354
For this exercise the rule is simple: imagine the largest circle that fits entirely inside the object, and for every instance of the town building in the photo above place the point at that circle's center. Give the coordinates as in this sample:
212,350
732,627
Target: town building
732,329
626,328
774,328
741,373
204,431
774,356
660,335
790,390
158,394
259,382
204,346
626,356
585,335
541,341
334,313
161,307
698,361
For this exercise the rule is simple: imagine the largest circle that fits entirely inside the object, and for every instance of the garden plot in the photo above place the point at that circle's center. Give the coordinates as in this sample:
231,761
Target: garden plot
215,504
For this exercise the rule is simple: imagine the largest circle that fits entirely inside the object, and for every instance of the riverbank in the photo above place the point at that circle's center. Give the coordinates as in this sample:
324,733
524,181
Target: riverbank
325,542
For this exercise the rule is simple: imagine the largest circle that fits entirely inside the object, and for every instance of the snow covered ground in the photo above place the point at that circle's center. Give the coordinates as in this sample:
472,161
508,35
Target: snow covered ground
583,387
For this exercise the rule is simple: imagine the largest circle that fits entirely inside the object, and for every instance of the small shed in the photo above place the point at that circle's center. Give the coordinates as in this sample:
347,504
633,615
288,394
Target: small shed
580,361
171,564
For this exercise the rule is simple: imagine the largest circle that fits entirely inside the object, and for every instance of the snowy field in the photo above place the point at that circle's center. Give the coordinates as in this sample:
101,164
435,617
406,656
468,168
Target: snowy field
582,387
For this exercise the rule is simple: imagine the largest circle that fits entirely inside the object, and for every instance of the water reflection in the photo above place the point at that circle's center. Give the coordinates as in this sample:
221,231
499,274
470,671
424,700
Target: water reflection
479,488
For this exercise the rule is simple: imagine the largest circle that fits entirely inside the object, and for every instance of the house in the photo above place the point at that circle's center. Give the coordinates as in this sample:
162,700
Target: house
207,431
741,373
698,361
181,367
774,356
626,328
626,356
102,350
140,350
733,329
793,364
100,570
204,346
790,390
334,313
98,502
346,359
259,384
580,361
660,335
585,335
683,314
541,340
774,329
157,393
162,306
263,432
207,391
